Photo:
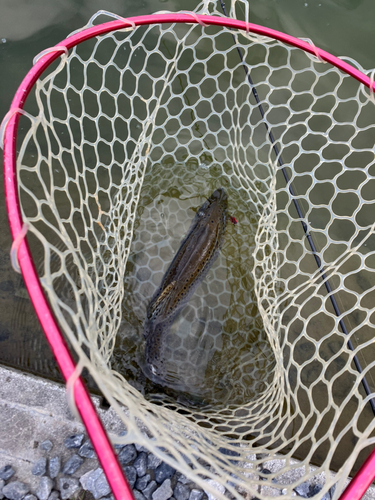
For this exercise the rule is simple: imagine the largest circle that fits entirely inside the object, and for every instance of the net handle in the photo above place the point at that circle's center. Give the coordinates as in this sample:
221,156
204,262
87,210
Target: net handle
95,429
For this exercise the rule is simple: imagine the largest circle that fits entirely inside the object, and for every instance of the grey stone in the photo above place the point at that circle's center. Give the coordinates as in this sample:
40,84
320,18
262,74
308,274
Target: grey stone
87,450
68,486
2,483
219,487
46,445
183,479
330,493
265,472
44,488
187,459
120,446
72,464
303,489
138,495
74,441
15,490
153,461
39,467
127,454
314,490
149,490
163,472
196,494
131,475
181,492
88,480
140,464
55,495
164,492
54,467
142,482
140,448
95,482
6,472
30,496
229,453
101,487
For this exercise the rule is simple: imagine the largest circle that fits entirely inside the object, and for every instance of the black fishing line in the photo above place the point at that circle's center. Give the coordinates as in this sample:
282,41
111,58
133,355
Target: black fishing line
301,217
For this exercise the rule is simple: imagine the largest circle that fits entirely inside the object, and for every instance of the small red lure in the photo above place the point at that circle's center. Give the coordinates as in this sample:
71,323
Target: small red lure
233,219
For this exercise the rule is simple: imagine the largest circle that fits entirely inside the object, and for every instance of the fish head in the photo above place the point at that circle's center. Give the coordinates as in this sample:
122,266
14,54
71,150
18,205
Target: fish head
215,207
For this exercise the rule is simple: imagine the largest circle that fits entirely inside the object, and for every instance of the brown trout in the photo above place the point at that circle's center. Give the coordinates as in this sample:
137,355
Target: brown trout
198,251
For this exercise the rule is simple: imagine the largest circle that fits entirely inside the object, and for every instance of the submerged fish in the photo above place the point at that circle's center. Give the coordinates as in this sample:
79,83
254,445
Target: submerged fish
197,253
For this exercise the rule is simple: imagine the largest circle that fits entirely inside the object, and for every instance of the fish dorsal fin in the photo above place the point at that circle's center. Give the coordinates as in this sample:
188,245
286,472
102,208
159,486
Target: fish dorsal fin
160,303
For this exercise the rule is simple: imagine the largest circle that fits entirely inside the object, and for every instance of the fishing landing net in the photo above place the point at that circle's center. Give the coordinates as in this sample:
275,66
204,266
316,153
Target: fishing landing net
125,137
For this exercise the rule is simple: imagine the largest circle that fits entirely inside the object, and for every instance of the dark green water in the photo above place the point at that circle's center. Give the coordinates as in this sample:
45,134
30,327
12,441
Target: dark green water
342,27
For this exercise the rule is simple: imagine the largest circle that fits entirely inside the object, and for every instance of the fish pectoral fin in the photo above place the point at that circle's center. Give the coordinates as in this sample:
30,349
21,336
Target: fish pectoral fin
160,303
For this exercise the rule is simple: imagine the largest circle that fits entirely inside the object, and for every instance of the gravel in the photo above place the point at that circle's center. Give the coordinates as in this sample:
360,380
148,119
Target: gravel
195,494
303,490
68,486
140,464
72,465
55,495
163,472
142,482
183,479
86,450
153,461
127,454
219,487
44,488
30,496
15,490
101,487
164,492
46,446
140,448
149,477
138,495
308,490
181,492
74,441
149,490
40,467
54,467
6,472
95,482
131,475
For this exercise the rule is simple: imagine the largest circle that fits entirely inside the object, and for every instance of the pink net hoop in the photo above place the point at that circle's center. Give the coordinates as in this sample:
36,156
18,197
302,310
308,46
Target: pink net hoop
95,429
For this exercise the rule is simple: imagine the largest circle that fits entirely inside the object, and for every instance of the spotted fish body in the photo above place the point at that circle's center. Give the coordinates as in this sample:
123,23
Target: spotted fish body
197,253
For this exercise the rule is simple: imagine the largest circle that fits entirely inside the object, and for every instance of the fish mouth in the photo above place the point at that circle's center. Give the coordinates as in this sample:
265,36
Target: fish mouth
219,195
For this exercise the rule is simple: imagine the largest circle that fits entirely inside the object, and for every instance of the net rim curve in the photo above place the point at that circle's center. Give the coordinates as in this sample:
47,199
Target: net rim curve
97,434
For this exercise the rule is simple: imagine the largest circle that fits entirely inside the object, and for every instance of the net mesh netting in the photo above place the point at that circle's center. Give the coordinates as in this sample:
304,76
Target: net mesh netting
134,130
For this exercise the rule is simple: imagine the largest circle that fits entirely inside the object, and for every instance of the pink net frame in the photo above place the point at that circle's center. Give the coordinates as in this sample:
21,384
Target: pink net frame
95,429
